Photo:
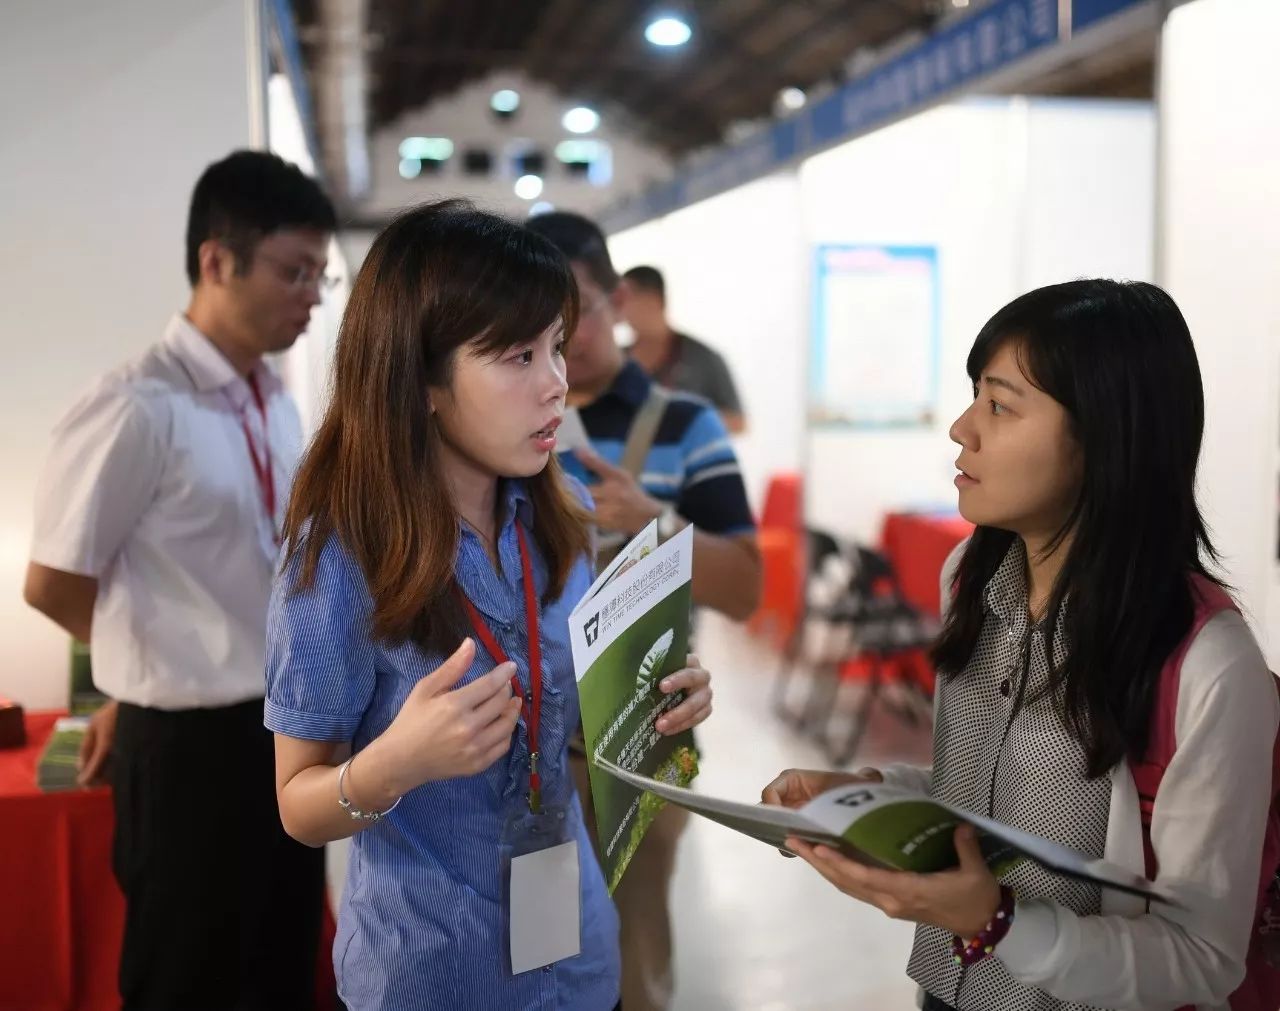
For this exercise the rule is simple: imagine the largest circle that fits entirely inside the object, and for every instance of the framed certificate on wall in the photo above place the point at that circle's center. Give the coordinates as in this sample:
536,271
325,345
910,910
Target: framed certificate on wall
873,359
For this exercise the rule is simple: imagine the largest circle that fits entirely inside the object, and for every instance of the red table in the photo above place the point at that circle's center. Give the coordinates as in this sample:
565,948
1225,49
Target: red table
917,544
61,912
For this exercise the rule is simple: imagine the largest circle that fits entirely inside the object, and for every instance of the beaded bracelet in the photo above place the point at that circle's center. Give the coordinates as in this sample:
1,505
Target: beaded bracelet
990,935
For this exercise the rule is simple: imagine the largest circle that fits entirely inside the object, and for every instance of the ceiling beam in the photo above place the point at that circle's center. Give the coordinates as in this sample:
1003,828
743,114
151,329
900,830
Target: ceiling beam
595,41
594,50
852,23
649,88
628,63
393,20
551,28
754,96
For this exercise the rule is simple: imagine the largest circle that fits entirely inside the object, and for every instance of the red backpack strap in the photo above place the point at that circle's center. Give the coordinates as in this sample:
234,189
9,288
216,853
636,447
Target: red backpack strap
1209,600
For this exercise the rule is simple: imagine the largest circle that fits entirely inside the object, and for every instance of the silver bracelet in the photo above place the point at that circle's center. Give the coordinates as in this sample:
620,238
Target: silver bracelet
346,805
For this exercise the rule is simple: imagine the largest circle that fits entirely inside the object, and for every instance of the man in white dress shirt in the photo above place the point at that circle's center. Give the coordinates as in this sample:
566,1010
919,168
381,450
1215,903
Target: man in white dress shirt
157,520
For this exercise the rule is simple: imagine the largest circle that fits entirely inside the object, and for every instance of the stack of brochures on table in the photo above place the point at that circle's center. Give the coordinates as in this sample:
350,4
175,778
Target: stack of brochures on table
59,762
85,699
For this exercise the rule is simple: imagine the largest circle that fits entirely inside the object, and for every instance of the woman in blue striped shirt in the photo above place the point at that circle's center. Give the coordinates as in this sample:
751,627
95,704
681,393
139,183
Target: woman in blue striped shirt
429,507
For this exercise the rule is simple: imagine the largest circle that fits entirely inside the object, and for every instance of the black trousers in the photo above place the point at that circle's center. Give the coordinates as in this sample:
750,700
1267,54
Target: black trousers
222,908
931,1003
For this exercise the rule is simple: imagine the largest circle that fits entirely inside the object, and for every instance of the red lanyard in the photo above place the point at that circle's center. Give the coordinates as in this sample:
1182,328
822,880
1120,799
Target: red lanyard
261,464
532,713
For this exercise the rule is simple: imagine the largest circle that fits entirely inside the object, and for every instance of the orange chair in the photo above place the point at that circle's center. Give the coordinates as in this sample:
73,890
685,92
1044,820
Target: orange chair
783,502
782,590
782,545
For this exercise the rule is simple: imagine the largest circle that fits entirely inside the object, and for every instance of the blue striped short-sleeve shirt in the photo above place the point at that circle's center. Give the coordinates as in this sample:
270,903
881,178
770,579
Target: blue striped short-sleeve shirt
691,464
421,923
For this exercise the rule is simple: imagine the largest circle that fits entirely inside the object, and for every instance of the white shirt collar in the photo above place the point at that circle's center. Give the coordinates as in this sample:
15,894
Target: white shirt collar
208,368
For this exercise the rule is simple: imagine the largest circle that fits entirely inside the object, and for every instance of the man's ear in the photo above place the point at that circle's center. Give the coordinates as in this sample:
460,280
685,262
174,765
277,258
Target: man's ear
217,263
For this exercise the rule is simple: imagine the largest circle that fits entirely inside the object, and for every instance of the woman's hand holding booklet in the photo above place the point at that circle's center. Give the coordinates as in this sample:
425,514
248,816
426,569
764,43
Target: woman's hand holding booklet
884,826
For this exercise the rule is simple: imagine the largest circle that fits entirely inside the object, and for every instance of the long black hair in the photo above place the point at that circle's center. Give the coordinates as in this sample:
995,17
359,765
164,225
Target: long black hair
1119,358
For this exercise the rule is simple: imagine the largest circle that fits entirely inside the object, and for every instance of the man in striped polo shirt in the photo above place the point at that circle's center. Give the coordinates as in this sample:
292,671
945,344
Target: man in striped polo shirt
656,455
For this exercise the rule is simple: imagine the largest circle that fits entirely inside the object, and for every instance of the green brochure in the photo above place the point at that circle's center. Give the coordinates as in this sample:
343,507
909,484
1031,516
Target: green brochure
888,826
628,632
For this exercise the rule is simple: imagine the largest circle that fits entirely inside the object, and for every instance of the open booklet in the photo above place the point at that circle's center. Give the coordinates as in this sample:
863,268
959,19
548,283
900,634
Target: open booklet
629,631
887,826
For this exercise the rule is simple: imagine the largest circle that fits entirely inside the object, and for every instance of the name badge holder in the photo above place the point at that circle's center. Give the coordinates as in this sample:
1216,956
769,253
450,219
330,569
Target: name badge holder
541,874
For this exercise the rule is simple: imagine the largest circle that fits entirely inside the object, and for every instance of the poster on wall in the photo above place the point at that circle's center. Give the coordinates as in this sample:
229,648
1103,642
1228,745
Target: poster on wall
874,344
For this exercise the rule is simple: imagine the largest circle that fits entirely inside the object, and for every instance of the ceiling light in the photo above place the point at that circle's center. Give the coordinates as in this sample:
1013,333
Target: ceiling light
428,148
668,31
791,99
959,3
541,207
410,168
578,150
580,119
505,101
529,187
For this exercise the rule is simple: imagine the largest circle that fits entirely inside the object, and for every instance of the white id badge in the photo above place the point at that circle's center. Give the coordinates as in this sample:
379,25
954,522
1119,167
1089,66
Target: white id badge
543,896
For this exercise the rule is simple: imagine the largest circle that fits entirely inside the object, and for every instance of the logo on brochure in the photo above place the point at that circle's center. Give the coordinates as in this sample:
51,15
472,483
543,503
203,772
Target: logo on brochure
651,665
592,629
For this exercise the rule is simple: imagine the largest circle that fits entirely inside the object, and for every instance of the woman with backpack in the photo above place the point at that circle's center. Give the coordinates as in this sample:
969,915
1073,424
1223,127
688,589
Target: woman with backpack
1098,685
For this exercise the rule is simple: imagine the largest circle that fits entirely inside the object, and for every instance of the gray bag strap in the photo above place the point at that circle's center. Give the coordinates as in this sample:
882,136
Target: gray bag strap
640,438
644,429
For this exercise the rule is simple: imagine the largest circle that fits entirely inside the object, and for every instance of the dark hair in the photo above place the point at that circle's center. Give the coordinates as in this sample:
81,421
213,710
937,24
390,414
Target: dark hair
1119,358
581,240
647,279
247,196
440,277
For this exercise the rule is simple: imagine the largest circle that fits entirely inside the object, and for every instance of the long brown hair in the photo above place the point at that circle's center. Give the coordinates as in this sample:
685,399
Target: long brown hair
439,278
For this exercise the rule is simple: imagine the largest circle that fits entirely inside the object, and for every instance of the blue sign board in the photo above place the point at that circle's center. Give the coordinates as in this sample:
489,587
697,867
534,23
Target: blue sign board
874,345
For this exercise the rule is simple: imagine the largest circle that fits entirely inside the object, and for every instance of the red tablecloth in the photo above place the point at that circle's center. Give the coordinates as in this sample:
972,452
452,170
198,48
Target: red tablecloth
918,544
61,912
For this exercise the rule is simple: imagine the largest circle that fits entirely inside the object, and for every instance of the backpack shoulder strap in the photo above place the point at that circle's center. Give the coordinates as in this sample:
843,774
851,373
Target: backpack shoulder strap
644,430
1261,985
1209,600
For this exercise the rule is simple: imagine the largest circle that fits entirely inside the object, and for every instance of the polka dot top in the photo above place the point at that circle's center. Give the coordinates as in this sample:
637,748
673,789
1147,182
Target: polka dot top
1000,749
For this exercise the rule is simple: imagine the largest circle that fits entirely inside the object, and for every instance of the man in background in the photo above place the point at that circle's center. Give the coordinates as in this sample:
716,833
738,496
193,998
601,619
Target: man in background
157,528
672,358
659,456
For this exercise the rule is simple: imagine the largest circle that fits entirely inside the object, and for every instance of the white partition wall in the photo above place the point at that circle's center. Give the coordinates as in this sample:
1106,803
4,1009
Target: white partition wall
942,179
1011,193
730,264
1014,194
643,244
1090,192
1220,233
109,113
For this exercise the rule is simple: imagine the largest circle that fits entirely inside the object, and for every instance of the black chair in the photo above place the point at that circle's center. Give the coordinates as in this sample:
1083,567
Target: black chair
853,609
821,587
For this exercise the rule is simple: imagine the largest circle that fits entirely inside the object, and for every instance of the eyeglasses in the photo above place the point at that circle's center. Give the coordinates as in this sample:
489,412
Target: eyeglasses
302,276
